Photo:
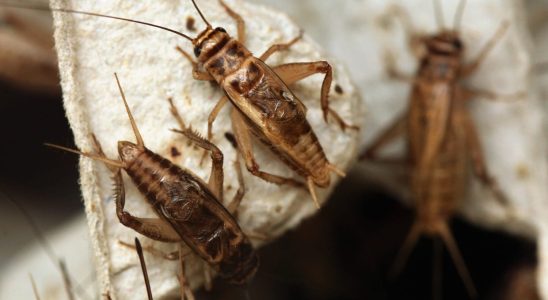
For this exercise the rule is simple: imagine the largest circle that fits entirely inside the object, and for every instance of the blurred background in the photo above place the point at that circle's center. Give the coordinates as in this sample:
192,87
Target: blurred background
343,252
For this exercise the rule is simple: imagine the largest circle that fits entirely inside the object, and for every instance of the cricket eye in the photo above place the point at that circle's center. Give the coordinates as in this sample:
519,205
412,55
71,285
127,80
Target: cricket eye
197,50
221,29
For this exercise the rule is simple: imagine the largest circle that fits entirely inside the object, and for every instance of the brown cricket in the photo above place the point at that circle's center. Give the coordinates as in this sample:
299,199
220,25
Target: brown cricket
188,209
263,103
440,135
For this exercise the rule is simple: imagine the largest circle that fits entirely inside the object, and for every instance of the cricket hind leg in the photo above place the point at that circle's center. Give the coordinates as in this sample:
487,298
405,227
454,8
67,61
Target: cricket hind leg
478,162
197,72
245,148
406,249
293,72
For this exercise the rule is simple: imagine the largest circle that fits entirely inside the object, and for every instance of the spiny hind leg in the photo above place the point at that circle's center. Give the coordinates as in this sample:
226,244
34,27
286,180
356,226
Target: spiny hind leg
293,72
154,228
240,23
245,148
478,161
197,72
280,47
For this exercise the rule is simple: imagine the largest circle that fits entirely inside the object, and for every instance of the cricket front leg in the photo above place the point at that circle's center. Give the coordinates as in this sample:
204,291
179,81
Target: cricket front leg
154,228
396,129
243,140
293,72
197,72
478,161
280,47
476,63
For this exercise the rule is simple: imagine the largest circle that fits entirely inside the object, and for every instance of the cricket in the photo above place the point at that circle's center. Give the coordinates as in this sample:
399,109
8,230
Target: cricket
189,210
441,139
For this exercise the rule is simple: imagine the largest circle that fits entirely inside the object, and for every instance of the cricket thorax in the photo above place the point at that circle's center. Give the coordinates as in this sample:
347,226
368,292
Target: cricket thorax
220,54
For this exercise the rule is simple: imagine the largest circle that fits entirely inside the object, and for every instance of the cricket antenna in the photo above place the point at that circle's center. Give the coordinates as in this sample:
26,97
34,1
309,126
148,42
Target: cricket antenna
63,10
439,14
458,15
131,119
201,15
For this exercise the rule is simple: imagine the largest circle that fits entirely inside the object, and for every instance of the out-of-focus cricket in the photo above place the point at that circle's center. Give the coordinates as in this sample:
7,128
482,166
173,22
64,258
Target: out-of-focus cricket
263,104
440,134
189,210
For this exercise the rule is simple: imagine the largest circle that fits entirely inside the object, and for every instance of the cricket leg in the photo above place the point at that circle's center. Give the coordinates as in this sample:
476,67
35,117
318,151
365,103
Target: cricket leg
197,72
174,255
213,115
396,129
154,228
280,47
240,23
406,249
237,199
216,176
393,72
492,96
478,161
208,281
186,292
293,72
34,288
243,140
472,67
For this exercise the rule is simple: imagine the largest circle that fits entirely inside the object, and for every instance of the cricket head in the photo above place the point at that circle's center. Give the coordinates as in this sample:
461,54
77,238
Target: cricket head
446,43
443,56
128,151
209,42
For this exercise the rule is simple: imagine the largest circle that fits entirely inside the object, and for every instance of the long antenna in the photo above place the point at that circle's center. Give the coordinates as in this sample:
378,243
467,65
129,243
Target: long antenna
458,15
131,119
438,12
63,10
201,15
